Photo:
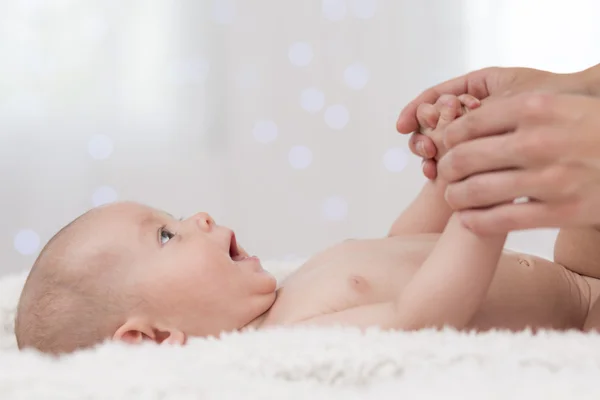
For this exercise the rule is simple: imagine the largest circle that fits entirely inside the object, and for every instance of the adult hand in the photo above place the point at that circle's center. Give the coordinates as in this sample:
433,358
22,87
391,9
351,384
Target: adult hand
545,147
484,83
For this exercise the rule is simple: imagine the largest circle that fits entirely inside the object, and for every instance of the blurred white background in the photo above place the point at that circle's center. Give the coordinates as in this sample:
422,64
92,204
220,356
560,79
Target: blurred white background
277,117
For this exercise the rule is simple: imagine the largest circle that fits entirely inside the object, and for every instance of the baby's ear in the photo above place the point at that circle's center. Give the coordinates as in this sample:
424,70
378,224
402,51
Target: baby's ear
136,330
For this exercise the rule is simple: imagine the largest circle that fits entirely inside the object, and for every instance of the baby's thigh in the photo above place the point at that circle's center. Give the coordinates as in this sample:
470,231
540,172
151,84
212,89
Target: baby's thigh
592,321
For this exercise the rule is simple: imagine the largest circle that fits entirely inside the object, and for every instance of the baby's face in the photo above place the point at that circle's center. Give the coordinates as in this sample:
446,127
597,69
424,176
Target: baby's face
191,273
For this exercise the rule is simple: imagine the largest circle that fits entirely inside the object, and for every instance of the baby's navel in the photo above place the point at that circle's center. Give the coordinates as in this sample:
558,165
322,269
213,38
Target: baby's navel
524,262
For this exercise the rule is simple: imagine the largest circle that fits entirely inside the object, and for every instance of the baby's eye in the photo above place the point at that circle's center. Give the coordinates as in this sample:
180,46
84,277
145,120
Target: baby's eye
164,236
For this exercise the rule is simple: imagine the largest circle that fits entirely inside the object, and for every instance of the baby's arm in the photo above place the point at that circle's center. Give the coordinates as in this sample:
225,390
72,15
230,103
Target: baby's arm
429,212
450,286
447,290
452,283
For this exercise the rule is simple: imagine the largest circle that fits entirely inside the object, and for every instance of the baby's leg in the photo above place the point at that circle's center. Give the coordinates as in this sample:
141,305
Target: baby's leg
592,322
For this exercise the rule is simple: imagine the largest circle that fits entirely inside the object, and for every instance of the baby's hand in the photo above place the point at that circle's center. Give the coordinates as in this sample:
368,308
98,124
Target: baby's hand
434,118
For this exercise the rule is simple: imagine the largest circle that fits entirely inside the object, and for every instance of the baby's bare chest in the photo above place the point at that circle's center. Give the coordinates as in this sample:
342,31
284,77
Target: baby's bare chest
351,274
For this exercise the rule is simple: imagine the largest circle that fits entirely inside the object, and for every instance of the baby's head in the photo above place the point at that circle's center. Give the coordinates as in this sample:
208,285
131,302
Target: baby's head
129,272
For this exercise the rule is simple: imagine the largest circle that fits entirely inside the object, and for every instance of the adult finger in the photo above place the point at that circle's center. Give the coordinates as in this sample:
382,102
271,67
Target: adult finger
535,147
491,189
512,217
422,146
481,155
504,114
495,117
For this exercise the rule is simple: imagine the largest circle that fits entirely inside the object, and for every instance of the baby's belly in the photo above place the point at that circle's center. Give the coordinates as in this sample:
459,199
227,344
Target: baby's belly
526,291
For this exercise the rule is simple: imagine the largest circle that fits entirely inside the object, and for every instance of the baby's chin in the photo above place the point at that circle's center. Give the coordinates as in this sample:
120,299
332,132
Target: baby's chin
250,262
253,270
272,284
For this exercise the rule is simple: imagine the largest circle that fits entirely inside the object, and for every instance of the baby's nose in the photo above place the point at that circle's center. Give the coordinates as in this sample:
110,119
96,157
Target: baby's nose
204,221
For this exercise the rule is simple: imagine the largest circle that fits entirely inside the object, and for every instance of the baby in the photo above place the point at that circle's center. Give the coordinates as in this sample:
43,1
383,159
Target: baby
131,273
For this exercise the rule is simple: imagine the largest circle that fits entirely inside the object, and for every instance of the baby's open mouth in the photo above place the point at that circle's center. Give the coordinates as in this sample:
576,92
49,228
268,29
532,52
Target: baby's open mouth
234,251
238,254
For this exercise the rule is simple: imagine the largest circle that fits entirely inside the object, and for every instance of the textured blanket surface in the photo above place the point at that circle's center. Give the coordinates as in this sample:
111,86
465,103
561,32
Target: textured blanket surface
308,363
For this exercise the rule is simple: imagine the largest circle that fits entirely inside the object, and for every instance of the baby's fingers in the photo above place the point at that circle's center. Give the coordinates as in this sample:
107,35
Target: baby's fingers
422,146
429,168
427,116
468,102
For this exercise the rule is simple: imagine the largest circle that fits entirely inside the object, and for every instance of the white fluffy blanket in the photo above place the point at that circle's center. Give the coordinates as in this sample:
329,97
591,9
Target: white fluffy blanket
308,364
